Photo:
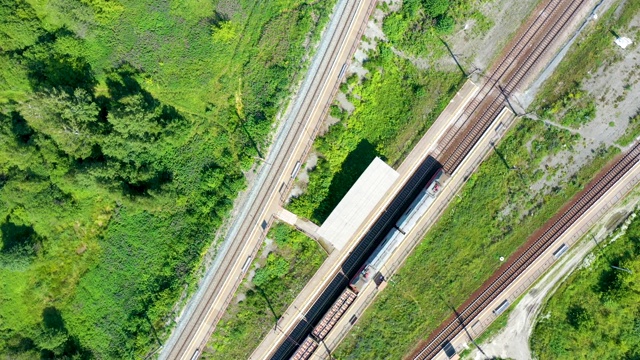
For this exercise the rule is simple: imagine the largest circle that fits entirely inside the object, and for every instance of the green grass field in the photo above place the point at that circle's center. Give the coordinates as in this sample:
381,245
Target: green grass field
125,128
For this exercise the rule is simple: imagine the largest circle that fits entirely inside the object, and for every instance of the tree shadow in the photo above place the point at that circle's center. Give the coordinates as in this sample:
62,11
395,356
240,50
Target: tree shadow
455,59
20,129
577,316
353,166
73,349
18,240
144,313
18,344
52,319
608,281
122,82
217,19
49,69
276,317
142,188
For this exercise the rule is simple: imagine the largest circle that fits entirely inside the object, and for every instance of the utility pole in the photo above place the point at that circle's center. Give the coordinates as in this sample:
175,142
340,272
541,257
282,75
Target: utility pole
327,349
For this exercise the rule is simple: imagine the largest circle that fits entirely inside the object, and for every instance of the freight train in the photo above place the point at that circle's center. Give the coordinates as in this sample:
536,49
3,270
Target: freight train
373,266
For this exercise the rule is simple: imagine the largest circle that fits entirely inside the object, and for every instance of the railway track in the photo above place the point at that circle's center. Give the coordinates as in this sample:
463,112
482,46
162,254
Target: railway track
553,229
351,265
542,30
522,54
507,76
201,311
459,147
499,72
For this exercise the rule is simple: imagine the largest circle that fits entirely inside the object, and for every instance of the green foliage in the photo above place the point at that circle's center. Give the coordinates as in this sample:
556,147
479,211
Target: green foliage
445,24
496,213
632,131
594,313
574,109
277,281
224,33
392,110
124,133
413,30
19,25
419,25
276,267
435,8
70,120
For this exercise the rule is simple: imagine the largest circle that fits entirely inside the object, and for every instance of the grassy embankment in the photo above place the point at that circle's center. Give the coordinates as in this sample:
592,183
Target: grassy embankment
124,130
594,314
494,215
395,103
594,50
278,280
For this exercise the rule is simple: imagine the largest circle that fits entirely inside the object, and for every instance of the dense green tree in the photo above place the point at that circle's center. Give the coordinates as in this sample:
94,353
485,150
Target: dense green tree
71,120
445,24
436,7
19,25
121,151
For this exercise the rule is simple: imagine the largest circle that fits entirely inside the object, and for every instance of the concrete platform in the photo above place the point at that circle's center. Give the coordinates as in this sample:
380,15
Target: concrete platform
331,266
361,200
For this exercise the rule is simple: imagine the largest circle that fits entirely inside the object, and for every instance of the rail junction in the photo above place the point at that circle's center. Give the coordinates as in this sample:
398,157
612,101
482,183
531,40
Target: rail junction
545,240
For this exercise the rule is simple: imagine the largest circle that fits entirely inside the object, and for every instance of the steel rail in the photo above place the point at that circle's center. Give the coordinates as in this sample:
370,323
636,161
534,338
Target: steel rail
210,295
516,267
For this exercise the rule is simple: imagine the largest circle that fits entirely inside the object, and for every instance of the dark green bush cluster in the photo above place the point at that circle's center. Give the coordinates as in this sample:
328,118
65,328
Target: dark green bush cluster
417,26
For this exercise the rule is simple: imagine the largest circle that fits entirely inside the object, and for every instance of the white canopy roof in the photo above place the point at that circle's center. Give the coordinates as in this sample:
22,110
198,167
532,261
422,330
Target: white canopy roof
355,206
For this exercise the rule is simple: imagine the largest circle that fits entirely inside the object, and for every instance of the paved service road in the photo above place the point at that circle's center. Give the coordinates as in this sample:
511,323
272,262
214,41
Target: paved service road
289,150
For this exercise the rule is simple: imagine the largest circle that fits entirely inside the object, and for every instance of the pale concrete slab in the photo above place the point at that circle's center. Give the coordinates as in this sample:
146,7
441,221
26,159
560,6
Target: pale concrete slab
358,203
287,216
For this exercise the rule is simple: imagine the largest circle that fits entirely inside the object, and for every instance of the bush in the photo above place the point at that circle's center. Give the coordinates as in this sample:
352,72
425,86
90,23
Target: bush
593,314
125,128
